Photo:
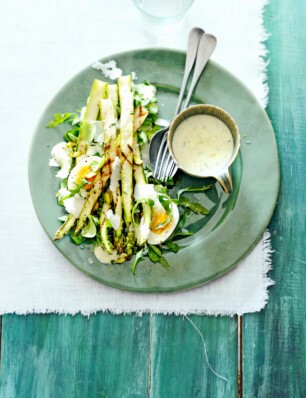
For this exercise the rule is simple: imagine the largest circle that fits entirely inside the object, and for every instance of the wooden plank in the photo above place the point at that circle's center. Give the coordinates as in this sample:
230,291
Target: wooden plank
74,356
179,367
274,342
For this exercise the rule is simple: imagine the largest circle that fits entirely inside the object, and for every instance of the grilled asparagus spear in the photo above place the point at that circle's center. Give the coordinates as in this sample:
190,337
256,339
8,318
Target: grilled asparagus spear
140,115
126,131
99,184
65,228
99,90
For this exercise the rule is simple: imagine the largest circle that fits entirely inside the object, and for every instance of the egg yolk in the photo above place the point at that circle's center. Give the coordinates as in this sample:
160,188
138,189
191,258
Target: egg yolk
81,175
157,220
91,181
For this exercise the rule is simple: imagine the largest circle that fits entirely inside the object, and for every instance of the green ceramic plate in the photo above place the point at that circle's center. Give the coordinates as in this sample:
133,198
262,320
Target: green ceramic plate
236,222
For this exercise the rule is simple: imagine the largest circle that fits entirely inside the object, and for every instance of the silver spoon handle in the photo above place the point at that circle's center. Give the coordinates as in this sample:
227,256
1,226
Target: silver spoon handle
206,47
192,48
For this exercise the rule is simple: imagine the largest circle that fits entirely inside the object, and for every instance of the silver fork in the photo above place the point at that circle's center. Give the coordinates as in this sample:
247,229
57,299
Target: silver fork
200,47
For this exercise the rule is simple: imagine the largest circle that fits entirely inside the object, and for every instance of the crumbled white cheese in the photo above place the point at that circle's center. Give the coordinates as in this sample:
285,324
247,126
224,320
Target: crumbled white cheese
109,69
146,92
62,192
114,219
144,230
162,122
53,163
61,158
74,205
93,149
97,131
144,191
134,77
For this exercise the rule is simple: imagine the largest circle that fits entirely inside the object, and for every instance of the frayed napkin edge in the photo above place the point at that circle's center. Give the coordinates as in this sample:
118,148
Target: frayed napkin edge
256,307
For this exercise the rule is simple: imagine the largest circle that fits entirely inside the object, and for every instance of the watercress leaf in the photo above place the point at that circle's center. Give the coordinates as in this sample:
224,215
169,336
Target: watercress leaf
154,253
179,230
96,220
181,234
90,229
165,202
58,118
174,247
76,189
72,135
108,224
169,181
194,189
74,119
197,208
153,108
142,138
175,201
159,188
152,131
146,126
174,181
150,202
97,239
138,258
183,218
77,239
164,262
64,183
153,256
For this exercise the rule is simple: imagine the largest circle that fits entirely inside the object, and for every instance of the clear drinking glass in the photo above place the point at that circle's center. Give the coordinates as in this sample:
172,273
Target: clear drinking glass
163,13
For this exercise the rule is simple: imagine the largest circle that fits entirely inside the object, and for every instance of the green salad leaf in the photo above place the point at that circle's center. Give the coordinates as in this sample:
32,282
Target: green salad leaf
59,118
197,208
155,255
90,229
194,189
172,246
138,257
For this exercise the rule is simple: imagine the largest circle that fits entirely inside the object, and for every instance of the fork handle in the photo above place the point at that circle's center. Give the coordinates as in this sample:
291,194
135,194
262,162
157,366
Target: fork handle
192,48
206,47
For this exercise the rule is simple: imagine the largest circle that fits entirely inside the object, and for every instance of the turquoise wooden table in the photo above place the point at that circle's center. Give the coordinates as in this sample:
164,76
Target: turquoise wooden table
106,355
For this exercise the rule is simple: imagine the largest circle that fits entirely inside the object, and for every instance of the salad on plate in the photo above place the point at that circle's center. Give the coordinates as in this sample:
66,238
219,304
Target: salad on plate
110,197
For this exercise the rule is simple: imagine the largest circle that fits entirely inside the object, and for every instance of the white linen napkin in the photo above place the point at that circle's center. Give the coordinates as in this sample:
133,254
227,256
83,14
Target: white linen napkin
43,44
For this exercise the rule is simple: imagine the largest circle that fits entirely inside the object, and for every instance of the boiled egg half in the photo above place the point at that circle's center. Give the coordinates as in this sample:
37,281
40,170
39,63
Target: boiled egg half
162,223
86,169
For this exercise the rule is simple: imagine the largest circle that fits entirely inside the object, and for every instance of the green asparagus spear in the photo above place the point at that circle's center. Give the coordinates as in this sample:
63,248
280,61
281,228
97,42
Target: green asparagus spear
101,179
104,229
65,228
126,128
139,177
98,91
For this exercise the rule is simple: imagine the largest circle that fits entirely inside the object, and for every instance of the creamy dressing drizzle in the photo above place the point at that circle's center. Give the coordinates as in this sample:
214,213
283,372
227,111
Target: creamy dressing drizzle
202,144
